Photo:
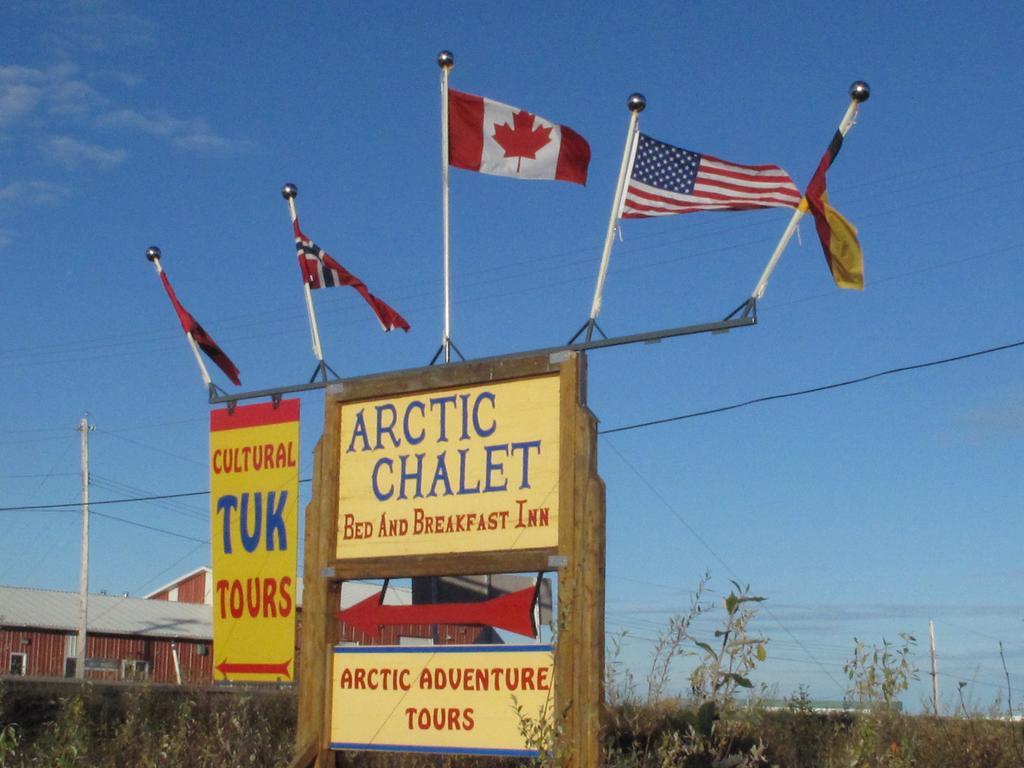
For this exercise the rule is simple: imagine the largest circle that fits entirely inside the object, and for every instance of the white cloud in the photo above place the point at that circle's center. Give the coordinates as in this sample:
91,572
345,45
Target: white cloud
16,74
23,89
34,192
127,79
153,123
30,97
73,97
71,153
203,139
17,100
193,134
94,25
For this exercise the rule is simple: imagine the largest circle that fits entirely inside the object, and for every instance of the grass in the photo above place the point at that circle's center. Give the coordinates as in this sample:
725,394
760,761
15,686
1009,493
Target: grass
108,727
59,724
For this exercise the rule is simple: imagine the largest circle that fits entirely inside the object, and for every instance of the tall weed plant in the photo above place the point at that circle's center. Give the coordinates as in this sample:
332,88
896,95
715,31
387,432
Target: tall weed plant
662,730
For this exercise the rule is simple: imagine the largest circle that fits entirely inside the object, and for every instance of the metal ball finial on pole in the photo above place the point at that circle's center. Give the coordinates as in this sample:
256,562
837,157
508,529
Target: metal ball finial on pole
289,191
860,91
636,103
445,60
153,253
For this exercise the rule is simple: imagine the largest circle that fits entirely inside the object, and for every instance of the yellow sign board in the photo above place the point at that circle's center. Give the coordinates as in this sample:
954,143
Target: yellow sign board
453,699
254,486
463,469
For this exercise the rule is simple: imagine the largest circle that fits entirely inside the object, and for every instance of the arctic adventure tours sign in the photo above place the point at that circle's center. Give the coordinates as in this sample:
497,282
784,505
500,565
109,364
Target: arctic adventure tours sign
453,699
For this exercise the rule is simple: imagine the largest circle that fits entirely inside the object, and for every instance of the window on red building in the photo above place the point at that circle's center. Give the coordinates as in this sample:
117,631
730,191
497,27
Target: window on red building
18,664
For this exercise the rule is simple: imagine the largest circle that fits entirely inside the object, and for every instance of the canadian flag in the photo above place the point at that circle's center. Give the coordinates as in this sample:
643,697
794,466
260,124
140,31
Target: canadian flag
492,137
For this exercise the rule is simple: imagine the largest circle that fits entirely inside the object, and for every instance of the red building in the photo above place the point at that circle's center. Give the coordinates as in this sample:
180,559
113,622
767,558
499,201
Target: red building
166,636
128,638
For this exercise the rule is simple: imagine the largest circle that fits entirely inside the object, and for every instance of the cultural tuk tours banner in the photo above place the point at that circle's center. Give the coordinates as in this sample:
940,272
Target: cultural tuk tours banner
463,469
254,477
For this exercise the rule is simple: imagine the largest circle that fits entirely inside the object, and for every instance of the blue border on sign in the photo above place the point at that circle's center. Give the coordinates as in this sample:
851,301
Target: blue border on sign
437,750
483,751
441,649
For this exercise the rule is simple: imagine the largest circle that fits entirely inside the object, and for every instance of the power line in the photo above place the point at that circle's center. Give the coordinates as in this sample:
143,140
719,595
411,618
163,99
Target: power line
38,475
612,430
149,527
169,505
724,564
75,504
164,451
812,390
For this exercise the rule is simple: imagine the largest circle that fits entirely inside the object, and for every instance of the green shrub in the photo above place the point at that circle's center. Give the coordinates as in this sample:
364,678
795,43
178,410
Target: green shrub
112,726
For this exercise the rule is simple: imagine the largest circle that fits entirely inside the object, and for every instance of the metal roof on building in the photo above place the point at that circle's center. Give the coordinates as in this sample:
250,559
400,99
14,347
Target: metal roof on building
205,569
108,614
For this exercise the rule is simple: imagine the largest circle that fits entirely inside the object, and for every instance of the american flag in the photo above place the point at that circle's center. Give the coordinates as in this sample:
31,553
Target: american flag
319,270
667,180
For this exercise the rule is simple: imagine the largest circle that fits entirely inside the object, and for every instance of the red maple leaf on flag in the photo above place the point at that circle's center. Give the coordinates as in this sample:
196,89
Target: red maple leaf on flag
523,140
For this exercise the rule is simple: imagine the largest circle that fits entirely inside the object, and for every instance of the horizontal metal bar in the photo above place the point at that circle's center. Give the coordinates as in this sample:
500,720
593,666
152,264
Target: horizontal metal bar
687,330
255,394
720,326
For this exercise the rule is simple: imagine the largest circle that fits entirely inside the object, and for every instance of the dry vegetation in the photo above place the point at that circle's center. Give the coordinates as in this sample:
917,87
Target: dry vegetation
155,726
57,725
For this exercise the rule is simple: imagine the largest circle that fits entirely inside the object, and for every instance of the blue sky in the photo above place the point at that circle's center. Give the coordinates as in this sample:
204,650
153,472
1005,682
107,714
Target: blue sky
860,511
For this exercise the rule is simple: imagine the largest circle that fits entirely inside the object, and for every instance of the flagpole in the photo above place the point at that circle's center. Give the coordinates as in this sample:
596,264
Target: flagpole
859,92
153,254
636,104
445,60
289,192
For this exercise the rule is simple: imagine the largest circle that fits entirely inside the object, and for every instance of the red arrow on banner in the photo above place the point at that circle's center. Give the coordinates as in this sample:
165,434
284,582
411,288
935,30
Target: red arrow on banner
512,612
239,668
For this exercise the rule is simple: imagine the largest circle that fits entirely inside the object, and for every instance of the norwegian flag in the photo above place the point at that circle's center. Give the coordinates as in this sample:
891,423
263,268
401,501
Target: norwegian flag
319,270
202,339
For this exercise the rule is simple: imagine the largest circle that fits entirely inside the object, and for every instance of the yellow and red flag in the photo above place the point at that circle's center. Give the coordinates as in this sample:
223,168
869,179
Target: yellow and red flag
838,236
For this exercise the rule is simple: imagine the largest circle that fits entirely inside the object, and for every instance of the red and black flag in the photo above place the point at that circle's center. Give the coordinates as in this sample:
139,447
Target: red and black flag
838,236
319,270
204,340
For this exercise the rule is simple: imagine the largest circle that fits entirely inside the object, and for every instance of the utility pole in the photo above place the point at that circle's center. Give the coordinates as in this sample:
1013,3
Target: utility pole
83,579
935,672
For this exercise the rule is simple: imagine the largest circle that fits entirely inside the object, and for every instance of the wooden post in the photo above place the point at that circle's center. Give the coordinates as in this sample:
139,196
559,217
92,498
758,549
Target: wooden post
320,603
579,653
83,577
935,672
567,656
593,649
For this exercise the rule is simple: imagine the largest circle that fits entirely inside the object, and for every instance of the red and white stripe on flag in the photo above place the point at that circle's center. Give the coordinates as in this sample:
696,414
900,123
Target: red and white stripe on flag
666,180
491,137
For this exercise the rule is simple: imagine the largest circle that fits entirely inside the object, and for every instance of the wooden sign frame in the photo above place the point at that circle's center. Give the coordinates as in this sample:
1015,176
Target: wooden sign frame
578,558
